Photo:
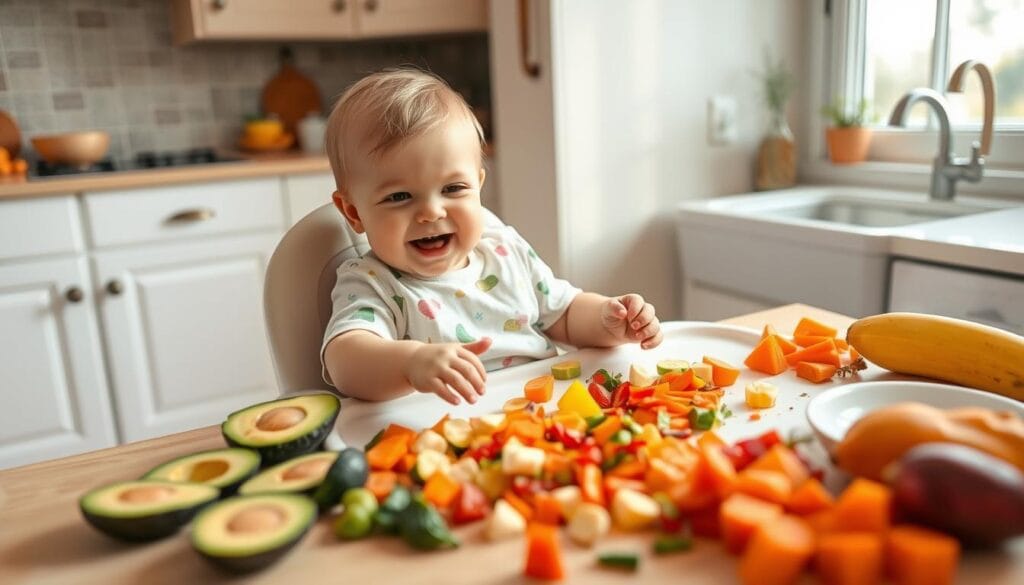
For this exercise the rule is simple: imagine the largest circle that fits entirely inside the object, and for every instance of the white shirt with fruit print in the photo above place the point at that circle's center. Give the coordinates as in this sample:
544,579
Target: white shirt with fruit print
506,293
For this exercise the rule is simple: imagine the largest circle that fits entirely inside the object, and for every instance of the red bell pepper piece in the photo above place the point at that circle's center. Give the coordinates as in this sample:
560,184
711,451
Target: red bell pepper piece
471,505
620,397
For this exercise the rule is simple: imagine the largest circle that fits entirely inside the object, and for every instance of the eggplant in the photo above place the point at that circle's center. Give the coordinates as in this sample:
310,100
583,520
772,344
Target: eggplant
961,491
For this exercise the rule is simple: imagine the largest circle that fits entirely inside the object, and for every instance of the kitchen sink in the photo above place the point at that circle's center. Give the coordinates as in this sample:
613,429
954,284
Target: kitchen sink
827,246
854,207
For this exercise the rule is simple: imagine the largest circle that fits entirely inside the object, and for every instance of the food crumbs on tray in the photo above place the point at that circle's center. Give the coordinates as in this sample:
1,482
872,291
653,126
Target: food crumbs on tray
804,395
754,416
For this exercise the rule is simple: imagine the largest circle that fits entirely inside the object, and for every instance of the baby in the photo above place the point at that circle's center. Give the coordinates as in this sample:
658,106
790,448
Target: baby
447,292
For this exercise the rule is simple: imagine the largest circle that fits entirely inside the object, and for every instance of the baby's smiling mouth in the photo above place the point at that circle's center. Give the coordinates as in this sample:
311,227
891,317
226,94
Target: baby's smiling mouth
432,242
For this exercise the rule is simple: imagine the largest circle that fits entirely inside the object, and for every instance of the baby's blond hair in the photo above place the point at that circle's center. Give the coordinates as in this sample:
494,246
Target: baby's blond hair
386,107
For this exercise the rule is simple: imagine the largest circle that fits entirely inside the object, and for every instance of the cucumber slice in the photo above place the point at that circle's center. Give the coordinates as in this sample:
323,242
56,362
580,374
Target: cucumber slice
458,432
666,366
566,370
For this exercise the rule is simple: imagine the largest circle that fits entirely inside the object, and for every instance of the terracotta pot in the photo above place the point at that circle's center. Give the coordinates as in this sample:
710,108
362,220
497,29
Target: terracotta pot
848,145
73,148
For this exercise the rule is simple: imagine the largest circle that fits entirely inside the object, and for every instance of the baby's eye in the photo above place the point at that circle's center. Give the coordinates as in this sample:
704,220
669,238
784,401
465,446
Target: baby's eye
454,188
397,197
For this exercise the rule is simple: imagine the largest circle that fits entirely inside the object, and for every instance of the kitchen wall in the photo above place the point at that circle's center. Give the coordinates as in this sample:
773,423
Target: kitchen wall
109,64
629,84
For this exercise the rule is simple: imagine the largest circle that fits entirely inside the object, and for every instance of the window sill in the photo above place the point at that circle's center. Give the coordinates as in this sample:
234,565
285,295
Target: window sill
1001,183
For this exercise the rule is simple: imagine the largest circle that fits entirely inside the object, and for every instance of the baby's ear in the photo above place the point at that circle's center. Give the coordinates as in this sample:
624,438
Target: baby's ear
483,176
348,210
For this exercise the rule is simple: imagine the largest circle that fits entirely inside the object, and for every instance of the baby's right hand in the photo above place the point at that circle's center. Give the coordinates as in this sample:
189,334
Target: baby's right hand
449,370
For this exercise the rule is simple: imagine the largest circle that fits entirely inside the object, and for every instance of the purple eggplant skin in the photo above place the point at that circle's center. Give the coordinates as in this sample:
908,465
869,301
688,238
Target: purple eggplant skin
961,491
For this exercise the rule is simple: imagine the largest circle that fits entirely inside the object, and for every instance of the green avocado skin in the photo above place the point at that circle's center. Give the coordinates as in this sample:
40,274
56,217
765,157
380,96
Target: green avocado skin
249,564
300,445
144,528
350,470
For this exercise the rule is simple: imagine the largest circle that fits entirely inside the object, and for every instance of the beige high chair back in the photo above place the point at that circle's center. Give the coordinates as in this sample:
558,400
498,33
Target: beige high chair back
297,292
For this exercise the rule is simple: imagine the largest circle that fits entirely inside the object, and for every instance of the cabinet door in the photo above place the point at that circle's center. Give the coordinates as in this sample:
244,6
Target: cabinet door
184,331
265,19
381,18
54,391
305,193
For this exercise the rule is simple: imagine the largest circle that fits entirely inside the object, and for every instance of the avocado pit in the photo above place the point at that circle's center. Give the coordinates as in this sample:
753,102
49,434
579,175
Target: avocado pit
207,470
280,418
145,494
311,468
256,519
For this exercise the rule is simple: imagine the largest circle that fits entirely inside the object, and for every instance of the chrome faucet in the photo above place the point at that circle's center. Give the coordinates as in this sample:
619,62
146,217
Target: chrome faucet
948,168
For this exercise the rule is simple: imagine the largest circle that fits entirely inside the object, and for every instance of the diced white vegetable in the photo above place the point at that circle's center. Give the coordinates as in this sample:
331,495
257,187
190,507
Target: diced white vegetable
570,497
589,523
633,510
465,470
521,460
492,481
702,371
458,432
428,440
504,522
761,394
430,462
487,424
641,376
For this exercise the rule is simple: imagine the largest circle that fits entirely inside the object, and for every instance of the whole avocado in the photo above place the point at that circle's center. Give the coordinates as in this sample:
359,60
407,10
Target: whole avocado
349,470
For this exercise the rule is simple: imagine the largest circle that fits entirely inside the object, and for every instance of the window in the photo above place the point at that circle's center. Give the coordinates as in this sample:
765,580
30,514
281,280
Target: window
880,49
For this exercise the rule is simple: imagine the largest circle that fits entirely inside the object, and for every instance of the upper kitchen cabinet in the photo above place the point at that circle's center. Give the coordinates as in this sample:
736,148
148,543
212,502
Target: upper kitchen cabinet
298,20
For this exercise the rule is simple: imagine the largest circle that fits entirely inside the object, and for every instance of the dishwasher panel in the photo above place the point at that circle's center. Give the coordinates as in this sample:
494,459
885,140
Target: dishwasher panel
985,298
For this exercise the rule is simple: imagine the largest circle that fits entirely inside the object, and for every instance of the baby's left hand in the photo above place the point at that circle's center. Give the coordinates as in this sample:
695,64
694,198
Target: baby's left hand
630,318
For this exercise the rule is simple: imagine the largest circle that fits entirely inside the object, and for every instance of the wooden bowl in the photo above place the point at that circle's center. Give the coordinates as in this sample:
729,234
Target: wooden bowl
73,148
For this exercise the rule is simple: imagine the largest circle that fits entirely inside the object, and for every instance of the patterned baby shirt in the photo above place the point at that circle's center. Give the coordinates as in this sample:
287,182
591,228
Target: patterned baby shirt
506,292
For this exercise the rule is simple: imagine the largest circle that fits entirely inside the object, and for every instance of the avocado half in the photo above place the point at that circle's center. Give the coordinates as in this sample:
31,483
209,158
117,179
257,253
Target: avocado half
248,533
299,475
224,469
282,429
146,509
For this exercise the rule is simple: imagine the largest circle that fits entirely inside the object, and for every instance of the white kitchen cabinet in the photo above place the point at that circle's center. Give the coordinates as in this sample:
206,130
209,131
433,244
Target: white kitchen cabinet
304,193
184,331
54,390
201,20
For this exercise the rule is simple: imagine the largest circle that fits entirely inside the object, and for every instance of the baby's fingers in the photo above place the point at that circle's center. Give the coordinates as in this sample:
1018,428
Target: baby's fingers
654,340
469,371
438,386
458,382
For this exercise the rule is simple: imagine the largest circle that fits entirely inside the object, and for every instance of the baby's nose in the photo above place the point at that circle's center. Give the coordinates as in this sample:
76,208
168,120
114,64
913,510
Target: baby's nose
431,210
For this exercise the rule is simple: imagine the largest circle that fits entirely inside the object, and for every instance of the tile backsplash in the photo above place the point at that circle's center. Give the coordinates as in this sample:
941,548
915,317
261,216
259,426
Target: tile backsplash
110,65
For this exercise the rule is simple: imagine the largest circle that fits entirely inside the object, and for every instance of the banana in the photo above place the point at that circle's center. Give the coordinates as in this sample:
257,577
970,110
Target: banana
953,350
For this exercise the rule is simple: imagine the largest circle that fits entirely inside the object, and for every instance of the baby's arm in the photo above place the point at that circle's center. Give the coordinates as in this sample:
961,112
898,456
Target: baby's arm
594,320
369,367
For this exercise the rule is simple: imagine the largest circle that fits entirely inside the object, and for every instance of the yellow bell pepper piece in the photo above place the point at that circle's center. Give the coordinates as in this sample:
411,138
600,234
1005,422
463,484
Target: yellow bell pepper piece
577,399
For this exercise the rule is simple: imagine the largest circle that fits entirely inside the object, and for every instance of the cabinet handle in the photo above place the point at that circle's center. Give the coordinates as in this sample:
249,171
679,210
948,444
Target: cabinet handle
219,4
530,68
74,294
192,215
371,5
115,288
338,5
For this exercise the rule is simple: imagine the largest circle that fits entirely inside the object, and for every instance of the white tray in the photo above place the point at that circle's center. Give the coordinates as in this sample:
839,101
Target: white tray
360,420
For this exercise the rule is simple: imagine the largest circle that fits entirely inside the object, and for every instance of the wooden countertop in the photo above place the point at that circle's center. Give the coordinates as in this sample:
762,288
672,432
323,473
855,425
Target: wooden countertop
43,538
251,166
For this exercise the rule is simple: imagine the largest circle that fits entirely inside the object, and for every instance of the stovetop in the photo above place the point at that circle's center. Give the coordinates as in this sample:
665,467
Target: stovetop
141,161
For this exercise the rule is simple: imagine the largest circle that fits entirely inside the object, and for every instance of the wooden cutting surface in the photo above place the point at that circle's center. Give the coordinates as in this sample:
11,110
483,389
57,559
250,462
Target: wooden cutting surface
43,538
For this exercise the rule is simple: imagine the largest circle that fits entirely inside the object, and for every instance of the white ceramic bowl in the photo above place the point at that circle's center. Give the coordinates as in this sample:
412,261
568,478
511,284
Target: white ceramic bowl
834,411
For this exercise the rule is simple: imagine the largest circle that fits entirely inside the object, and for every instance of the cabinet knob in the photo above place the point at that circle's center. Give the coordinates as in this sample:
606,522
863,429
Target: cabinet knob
371,5
114,287
339,5
74,294
219,4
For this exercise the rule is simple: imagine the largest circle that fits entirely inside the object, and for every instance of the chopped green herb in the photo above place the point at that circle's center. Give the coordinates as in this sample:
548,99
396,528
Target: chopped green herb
593,421
702,419
667,544
619,560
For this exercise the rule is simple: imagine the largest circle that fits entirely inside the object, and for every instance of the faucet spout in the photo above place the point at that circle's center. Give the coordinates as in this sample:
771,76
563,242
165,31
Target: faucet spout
988,89
938,104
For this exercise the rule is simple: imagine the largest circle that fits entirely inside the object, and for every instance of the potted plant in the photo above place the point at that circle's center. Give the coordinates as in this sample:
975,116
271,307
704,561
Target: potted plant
848,138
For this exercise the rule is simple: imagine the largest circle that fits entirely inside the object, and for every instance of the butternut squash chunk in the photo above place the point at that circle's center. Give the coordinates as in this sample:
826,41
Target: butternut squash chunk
849,559
770,486
918,556
810,497
864,506
740,515
809,326
777,553
767,357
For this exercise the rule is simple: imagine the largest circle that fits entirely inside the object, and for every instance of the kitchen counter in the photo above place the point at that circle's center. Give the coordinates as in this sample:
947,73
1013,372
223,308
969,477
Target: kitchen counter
250,166
987,241
43,538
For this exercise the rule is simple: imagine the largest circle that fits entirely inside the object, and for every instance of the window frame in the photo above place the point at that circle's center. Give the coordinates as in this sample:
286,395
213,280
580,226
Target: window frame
898,157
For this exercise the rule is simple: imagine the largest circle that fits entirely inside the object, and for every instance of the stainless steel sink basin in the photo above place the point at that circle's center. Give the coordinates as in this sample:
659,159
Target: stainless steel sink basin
874,213
848,208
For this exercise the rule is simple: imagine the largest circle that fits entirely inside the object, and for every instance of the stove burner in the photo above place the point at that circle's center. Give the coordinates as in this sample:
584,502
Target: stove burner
45,169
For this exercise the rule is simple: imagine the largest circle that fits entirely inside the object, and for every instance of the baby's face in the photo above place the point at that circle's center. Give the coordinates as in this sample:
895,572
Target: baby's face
419,203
